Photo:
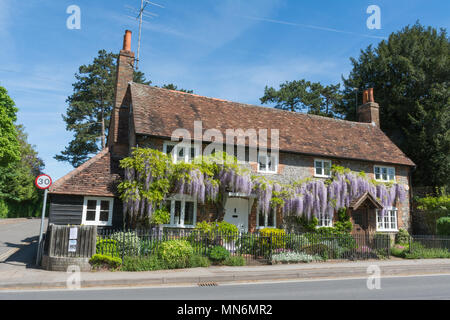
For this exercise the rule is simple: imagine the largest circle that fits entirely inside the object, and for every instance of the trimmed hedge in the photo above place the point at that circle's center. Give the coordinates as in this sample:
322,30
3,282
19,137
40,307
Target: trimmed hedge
443,226
106,261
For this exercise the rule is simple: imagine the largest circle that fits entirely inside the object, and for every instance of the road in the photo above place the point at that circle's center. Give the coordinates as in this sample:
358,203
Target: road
18,242
411,287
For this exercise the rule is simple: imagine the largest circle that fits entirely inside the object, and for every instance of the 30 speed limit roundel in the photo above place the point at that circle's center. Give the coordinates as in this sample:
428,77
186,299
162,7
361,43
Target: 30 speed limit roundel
43,181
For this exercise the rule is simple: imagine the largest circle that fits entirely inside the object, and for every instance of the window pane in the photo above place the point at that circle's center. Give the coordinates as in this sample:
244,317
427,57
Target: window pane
391,172
271,218
327,168
189,213
104,216
261,220
104,206
384,173
169,149
91,205
177,213
90,215
262,163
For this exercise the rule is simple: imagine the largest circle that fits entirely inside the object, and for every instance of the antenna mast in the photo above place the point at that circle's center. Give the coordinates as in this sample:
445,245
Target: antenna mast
142,13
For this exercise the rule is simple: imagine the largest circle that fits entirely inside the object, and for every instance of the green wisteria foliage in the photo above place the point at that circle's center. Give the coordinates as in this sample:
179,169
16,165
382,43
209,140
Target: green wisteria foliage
151,176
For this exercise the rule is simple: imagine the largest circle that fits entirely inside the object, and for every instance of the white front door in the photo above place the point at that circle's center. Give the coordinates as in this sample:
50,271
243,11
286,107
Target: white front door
236,212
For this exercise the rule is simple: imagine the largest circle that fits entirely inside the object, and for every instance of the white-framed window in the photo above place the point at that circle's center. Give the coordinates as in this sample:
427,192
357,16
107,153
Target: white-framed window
183,211
322,168
181,152
389,221
324,221
267,163
268,221
97,211
384,174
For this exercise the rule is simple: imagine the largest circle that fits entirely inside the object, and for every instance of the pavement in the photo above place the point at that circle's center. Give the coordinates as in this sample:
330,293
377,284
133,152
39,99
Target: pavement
18,244
40,279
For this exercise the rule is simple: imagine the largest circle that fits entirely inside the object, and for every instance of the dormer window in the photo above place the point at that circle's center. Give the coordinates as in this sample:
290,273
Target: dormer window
384,174
181,152
267,163
322,168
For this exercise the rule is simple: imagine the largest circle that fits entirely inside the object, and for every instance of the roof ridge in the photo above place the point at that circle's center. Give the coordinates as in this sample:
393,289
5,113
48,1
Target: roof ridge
301,114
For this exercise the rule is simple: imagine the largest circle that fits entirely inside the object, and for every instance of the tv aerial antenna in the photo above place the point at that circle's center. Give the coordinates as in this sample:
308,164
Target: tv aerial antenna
139,16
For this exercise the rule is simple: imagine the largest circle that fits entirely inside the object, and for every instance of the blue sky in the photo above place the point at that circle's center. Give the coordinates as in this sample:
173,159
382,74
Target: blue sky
229,49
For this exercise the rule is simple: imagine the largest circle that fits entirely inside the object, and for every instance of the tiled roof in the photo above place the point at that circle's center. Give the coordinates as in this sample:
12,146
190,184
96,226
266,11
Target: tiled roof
96,177
158,112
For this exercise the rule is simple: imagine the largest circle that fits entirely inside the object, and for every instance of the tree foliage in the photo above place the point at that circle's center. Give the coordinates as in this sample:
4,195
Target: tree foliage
410,74
9,144
304,96
171,86
90,107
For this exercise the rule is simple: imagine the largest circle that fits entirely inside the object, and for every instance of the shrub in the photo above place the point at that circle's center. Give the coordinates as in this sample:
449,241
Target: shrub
218,254
399,251
175,253
3,210
199,261
402,236
271,238
419,252
319,249
443,226
235,261
296,242
142,264
107,247
225,227
248,244
290,256
128,242
105,261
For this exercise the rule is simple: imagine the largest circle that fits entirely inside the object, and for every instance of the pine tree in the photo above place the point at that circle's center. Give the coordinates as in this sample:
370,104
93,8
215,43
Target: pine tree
90,107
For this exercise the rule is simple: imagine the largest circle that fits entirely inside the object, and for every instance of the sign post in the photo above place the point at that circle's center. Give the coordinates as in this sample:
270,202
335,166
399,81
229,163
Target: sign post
42,182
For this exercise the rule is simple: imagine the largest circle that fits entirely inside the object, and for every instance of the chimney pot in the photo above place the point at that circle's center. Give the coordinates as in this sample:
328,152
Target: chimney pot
127,41
371,98
365,96
369,111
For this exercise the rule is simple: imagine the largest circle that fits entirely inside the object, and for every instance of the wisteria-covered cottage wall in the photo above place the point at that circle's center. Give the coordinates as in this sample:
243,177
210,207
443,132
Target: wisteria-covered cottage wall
293,167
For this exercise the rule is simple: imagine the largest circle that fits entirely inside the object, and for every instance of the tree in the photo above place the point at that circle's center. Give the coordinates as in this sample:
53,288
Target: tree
90,107
171,86
410,74
9,144
304,96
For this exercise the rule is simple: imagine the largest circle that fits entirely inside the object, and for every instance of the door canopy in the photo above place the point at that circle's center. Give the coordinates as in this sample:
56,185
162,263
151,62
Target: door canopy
368,200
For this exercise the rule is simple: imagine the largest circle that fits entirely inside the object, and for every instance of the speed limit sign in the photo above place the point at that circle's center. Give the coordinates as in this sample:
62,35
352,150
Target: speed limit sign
43,181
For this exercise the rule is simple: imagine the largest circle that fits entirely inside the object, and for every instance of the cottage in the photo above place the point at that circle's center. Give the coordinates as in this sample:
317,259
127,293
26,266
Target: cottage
308,146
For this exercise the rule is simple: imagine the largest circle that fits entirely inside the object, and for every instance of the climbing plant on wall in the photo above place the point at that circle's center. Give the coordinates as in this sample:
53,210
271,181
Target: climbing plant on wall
151,176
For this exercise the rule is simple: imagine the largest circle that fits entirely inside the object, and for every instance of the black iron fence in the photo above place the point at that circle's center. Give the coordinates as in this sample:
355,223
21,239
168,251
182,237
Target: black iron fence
254,247
429,242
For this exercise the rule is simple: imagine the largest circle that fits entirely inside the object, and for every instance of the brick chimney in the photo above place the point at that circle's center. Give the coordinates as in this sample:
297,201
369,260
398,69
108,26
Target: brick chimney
118,129
369,111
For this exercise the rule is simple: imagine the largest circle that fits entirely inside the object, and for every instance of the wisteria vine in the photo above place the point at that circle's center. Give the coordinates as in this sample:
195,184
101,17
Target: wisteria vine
150,176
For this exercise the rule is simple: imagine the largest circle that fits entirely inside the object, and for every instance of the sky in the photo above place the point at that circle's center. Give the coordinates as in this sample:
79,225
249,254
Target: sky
227,49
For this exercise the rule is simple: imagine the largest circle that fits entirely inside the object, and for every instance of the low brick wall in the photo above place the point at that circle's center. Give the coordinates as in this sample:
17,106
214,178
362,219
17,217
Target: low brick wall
63,263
